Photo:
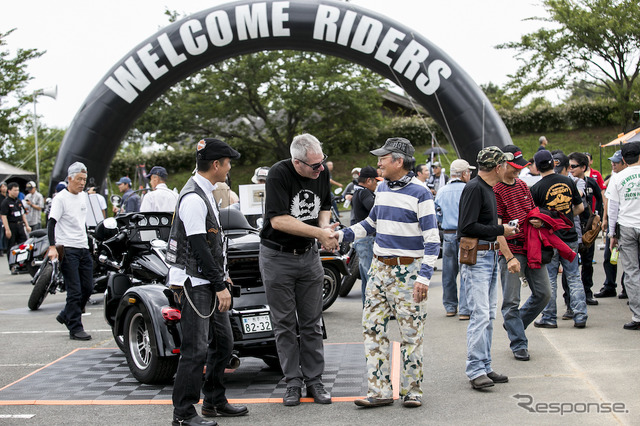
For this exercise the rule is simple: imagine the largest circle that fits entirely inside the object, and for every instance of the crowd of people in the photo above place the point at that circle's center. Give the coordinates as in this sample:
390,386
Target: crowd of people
522,222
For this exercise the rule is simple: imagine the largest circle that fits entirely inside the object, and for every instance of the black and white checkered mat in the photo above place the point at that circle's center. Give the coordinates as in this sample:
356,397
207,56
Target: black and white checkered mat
103,375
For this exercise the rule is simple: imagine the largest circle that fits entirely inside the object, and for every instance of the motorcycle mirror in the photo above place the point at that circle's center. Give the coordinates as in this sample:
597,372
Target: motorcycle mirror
338,191
115,200
110,223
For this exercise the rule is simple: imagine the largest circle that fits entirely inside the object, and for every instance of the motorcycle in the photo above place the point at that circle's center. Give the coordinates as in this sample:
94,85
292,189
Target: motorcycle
47,280
29,255
143,314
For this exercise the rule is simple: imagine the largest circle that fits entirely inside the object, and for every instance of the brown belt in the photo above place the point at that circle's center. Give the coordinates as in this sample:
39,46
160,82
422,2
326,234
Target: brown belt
490,246
449,231
396,260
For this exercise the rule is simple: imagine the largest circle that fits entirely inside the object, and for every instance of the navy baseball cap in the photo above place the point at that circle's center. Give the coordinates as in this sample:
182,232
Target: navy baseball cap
124,179
542,157
157,170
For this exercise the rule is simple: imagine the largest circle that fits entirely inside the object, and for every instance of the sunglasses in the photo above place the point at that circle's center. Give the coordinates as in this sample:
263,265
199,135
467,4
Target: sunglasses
315,167
573,166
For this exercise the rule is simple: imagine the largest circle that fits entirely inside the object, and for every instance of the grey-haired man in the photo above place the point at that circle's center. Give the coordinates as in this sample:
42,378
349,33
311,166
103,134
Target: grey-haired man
297,212
67,227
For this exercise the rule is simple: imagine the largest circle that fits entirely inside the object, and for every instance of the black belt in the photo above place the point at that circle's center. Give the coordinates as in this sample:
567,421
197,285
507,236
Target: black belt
449,231
279,247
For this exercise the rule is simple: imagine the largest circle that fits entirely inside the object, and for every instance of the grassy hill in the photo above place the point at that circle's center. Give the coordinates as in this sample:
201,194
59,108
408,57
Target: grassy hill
568,141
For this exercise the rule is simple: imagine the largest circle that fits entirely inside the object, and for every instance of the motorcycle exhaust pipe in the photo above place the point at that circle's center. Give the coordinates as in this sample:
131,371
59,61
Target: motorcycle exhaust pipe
234,362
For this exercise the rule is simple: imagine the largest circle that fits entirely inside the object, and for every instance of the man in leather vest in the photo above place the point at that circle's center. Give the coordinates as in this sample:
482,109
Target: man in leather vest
198,277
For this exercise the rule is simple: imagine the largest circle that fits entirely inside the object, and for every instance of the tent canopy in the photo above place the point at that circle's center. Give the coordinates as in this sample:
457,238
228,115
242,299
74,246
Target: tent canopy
12,173
632,136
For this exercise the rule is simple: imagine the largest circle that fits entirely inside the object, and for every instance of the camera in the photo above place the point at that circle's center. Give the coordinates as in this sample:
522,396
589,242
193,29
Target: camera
513,223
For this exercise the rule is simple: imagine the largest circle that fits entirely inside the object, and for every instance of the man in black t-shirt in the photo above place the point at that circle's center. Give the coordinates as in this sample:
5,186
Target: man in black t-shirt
297,213
478,218
363,200
14,217
557,192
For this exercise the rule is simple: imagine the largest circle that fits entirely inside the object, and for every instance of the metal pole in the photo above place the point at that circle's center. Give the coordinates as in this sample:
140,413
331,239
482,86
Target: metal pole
35,129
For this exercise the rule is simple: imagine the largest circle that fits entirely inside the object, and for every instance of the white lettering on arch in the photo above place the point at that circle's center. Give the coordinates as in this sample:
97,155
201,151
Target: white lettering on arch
219,28
193,45
251,21
126,81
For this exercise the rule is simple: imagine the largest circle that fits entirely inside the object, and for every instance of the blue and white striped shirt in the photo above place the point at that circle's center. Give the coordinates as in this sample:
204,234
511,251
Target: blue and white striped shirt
404,220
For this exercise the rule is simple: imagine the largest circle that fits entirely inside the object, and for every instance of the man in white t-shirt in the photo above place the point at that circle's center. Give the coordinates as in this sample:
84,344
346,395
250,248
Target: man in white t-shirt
66,227
34,203
624,209
161,199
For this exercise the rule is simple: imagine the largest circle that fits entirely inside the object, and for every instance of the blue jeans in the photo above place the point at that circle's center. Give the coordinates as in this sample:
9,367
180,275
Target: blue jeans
77,270
450,268
578,300
364,248
481,287
517,319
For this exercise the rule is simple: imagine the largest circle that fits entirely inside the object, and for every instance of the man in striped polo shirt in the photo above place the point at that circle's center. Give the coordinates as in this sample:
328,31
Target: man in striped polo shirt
514,202
405,250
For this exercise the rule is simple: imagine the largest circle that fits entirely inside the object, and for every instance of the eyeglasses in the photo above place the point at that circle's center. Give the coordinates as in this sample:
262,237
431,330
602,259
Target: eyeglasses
573,166
315,167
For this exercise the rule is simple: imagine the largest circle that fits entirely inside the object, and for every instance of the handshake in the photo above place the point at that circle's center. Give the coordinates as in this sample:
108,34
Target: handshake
328,237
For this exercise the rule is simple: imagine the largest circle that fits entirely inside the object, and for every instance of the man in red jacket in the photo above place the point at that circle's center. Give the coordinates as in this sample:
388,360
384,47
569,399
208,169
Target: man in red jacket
557,192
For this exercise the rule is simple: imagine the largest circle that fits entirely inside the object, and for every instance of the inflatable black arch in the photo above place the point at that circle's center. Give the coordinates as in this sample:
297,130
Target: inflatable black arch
335,28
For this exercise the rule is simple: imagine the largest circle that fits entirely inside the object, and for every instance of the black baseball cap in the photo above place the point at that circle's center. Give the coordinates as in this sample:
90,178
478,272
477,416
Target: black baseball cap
629,151
561,161
368,172
214,149
518,160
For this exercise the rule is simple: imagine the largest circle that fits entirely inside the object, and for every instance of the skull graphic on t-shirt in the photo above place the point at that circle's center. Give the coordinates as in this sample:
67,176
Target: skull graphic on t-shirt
305,205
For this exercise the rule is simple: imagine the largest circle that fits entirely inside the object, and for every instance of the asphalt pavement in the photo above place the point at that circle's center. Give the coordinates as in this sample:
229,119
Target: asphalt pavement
575,376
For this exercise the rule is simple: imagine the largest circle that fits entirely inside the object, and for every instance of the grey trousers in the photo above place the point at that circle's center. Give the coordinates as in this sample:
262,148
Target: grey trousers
629,250
293,284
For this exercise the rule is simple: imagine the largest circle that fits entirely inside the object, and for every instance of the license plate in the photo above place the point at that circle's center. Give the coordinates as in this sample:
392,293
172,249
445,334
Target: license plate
22,256
256,324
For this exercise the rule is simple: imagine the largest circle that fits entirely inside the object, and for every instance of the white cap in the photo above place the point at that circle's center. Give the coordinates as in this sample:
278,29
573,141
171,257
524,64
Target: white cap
459,166
356,170
76,167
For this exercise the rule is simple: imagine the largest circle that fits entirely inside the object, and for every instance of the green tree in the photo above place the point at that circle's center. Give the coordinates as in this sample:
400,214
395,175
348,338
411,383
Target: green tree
499,96
593,40
259,102
13,79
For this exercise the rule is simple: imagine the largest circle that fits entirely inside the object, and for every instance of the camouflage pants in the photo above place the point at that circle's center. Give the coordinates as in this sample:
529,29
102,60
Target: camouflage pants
390,292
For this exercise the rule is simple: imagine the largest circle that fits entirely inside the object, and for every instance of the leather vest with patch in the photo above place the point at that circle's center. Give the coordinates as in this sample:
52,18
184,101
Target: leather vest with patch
179,251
